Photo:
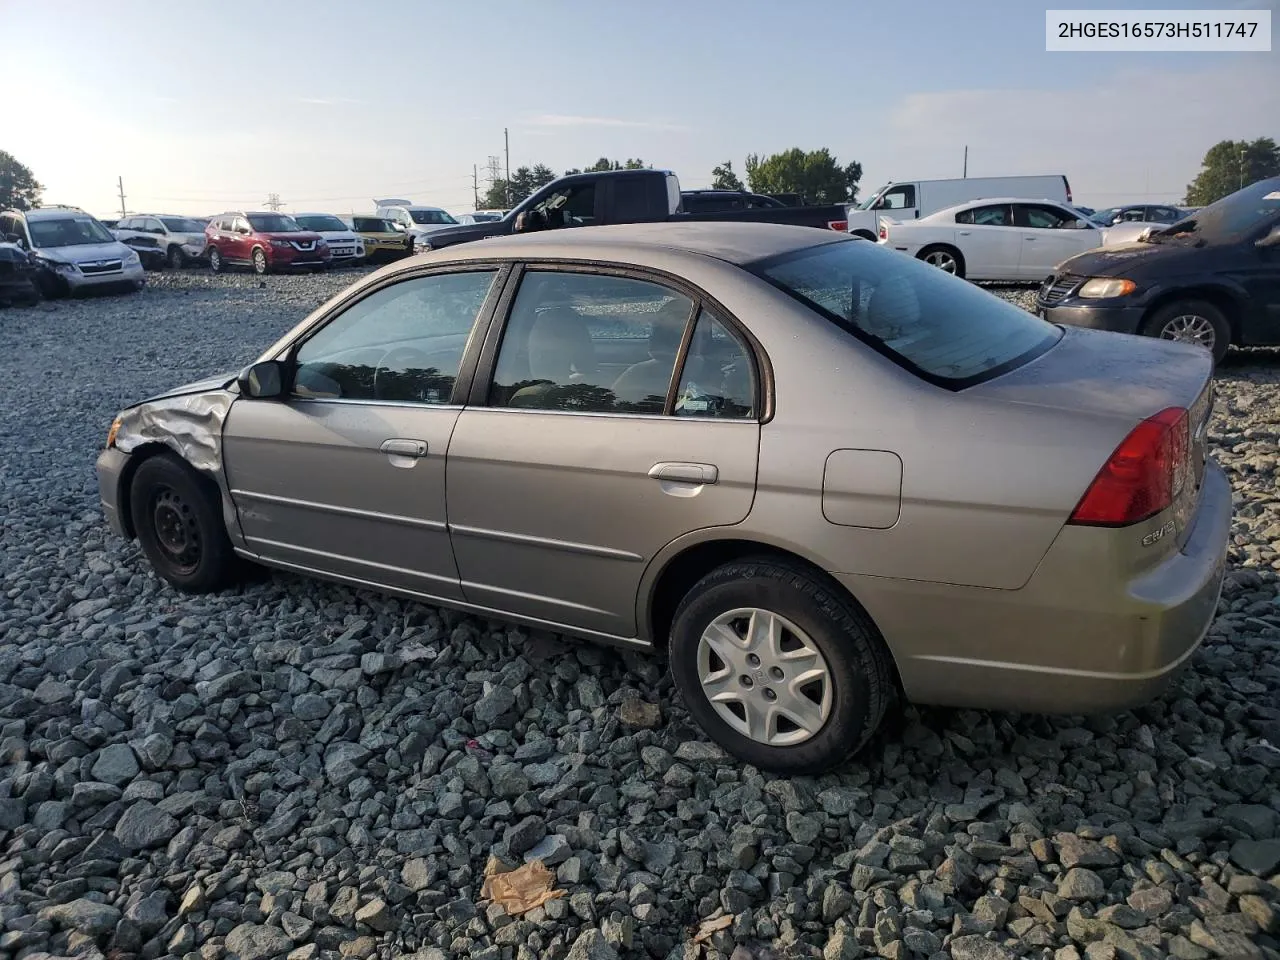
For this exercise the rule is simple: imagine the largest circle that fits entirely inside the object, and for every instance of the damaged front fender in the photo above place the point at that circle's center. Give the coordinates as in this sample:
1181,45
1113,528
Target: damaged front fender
189,424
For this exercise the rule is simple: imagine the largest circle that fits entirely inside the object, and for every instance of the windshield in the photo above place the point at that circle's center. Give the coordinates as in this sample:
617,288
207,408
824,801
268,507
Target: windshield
321,221
941,327
182,225
67,232
1230,218
273,223
373,225
1105,217
431,216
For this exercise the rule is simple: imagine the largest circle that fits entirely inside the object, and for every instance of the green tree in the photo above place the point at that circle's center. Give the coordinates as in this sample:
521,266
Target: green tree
1231,165
815,174
604,165
524,181
723,177
18,188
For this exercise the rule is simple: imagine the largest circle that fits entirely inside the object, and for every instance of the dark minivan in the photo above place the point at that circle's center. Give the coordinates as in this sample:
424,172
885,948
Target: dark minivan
1212,278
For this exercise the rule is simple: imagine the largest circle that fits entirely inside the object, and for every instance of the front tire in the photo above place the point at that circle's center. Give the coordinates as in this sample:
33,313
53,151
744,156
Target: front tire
216,263
259,261
1192,321
778,667
947,259
176,258
177,515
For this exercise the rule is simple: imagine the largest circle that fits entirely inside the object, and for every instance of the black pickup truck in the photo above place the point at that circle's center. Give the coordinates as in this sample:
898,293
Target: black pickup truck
620,196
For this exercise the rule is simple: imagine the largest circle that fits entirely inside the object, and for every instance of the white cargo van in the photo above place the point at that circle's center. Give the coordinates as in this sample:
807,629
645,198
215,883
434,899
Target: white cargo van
911,199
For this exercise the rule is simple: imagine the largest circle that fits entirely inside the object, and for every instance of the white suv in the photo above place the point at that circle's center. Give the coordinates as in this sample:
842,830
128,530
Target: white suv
345,244
181,239
72,250
413,218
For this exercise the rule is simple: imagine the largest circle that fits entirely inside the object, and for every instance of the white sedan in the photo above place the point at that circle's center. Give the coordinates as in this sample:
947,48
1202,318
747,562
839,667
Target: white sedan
995,239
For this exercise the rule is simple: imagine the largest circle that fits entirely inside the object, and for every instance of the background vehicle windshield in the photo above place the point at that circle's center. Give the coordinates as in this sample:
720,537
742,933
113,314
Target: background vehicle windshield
68,232
372,225
485,217
322,221
1104,217
938,325
182,225
431,216
273,223
1231,217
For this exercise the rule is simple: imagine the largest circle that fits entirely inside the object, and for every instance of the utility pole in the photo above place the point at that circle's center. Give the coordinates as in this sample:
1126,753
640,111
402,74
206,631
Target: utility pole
507,140
120,183
1242,166
966,162
273,202
475,186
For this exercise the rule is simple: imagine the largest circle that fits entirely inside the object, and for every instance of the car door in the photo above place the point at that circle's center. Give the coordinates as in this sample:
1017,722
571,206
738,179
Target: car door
1050,234
989,242
346,475
1257,270
564,481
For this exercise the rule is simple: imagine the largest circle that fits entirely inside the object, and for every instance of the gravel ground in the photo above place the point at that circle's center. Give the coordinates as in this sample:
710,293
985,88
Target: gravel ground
296,768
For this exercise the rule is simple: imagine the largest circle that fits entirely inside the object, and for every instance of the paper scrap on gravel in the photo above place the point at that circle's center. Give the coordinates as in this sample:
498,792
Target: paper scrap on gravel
520,890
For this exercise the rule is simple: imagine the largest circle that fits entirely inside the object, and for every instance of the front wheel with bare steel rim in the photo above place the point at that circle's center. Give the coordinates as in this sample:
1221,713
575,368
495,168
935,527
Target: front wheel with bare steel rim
1192,321
779,667
178,519
945,258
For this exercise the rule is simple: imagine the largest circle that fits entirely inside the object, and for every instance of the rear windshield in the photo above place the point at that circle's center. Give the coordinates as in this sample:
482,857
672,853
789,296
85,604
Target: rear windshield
941,327
431,216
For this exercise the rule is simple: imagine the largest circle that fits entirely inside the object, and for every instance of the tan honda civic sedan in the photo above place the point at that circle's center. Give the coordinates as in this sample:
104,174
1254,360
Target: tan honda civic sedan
820,473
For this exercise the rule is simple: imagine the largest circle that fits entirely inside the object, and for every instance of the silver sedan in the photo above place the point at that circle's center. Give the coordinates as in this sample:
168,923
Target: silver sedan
821,474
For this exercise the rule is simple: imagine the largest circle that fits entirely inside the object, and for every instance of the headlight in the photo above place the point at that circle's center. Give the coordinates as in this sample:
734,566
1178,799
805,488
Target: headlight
131,256
55,265
111,434
1102,288
280,243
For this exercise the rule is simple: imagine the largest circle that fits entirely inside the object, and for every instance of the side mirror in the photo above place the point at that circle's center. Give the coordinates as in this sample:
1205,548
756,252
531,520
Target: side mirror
1080,225
262,380
1272,239
14,238
522,223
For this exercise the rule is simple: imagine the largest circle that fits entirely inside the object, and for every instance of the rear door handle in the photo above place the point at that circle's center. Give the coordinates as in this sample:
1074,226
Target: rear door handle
685,472
414,449
964,233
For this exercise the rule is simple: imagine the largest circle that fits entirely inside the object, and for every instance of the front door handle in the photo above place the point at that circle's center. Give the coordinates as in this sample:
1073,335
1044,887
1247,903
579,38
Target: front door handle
685,472
414,449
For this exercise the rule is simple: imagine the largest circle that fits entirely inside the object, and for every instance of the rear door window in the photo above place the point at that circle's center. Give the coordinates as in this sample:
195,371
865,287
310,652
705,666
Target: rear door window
996,215
942,328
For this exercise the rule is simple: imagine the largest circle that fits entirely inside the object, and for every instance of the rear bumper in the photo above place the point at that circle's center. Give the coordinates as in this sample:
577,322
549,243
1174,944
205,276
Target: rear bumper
1118,319
110,469
1047,648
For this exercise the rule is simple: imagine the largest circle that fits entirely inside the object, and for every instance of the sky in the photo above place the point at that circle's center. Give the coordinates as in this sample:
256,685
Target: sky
202,108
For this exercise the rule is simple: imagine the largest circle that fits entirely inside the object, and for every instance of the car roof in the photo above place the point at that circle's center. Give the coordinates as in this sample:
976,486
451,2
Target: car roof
736,243
49,213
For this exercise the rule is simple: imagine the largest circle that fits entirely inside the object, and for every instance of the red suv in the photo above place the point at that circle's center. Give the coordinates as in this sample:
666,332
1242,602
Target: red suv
264,241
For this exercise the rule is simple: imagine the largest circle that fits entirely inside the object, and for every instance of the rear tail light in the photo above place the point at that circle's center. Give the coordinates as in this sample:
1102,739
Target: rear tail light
841,225
884,232
1144,475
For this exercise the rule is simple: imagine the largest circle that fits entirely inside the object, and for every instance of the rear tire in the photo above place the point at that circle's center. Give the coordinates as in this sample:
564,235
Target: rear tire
866,235
946,258
216,263
824,662
1192,321
259,259
178,517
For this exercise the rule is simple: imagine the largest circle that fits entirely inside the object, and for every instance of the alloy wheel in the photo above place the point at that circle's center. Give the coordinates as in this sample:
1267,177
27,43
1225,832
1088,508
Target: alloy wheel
1190,328
765,676
942,260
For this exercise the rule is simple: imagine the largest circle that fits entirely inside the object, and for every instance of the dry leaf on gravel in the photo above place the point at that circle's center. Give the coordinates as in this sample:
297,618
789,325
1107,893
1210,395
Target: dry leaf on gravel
519,890
709,927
